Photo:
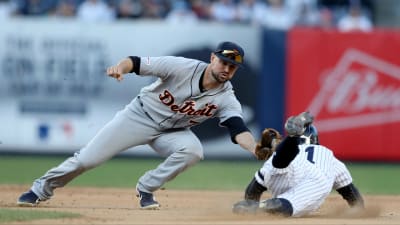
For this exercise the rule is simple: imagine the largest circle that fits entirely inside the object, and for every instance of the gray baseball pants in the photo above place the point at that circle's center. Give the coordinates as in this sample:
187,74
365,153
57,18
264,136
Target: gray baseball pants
129,128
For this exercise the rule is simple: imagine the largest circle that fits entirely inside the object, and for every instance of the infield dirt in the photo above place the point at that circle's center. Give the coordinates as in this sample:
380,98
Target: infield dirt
120,206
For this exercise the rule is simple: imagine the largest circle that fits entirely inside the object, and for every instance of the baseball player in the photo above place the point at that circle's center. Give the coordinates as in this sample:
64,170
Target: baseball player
186,93
300,174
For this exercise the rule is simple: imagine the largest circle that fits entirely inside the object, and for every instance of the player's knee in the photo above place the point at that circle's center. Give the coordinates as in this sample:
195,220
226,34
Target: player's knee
195,157
195,151
85,162
277,206
190,158
187,155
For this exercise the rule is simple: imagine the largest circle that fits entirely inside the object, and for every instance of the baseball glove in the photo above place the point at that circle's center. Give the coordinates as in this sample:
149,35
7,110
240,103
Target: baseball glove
270,138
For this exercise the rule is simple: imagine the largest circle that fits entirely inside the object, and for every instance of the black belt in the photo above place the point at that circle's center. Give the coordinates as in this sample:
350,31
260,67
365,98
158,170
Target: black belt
145,112
148,115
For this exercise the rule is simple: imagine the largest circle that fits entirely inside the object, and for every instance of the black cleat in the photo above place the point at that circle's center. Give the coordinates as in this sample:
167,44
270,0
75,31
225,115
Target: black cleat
28,199
147,200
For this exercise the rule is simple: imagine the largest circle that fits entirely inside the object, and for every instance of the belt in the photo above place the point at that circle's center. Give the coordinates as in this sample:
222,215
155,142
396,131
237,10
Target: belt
145,112
148,115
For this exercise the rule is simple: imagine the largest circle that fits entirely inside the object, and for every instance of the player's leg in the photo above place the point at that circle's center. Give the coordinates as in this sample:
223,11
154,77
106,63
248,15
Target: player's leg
117,135
183,149
308,195
279,206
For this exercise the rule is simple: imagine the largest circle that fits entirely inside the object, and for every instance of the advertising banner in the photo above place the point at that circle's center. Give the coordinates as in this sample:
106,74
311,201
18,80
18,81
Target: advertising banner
351,83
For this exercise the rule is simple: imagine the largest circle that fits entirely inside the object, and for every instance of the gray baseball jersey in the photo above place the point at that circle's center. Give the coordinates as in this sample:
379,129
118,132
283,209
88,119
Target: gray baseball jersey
175,99
308,179
159,116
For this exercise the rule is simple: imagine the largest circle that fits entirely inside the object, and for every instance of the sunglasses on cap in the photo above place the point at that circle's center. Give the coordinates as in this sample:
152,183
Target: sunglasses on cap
231,54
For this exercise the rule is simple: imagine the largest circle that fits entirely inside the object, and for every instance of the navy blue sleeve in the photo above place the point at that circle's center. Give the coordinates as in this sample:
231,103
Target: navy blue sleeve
136,64
235,126
286,151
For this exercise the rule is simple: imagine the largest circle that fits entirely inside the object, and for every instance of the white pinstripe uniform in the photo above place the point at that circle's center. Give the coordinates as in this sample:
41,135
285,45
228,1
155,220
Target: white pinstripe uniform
308,179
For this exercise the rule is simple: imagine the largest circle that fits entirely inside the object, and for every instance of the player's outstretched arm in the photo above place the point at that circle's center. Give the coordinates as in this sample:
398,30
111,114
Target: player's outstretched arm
351,194
122,67
254,190
246,141
252,196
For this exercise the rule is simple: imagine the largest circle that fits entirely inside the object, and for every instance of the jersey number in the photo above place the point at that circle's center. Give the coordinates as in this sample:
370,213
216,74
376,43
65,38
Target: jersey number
310,154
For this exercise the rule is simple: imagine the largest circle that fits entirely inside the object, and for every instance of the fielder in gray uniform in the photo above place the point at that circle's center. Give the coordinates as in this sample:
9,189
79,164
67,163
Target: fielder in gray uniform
300,174
186,93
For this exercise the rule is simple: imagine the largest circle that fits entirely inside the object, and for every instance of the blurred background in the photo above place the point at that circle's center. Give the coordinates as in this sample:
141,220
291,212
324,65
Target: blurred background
336,58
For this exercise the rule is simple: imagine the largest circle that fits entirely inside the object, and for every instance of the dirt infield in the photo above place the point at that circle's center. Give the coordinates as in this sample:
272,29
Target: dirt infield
120,206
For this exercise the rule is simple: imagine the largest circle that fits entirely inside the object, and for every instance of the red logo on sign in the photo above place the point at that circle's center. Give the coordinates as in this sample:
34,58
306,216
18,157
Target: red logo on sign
362,90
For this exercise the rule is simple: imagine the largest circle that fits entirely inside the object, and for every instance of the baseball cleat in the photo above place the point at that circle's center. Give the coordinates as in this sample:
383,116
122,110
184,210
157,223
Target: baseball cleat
29,199
147,200
294,126
306,117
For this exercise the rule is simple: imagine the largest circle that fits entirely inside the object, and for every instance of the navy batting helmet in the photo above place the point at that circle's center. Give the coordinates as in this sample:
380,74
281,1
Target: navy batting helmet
310,135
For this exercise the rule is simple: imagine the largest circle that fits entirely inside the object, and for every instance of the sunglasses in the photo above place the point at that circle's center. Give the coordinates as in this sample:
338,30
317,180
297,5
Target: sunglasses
231,54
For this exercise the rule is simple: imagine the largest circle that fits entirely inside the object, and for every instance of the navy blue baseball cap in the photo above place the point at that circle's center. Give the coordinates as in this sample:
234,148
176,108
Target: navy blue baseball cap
230,52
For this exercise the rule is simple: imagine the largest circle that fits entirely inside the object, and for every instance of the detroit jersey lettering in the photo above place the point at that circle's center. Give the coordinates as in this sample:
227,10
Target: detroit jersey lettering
188,107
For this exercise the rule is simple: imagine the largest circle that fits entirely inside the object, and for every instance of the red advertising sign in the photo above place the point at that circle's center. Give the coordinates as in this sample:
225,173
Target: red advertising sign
351,83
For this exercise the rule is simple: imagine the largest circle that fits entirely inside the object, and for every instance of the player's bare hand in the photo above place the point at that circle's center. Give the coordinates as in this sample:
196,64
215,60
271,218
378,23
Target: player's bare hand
115,72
